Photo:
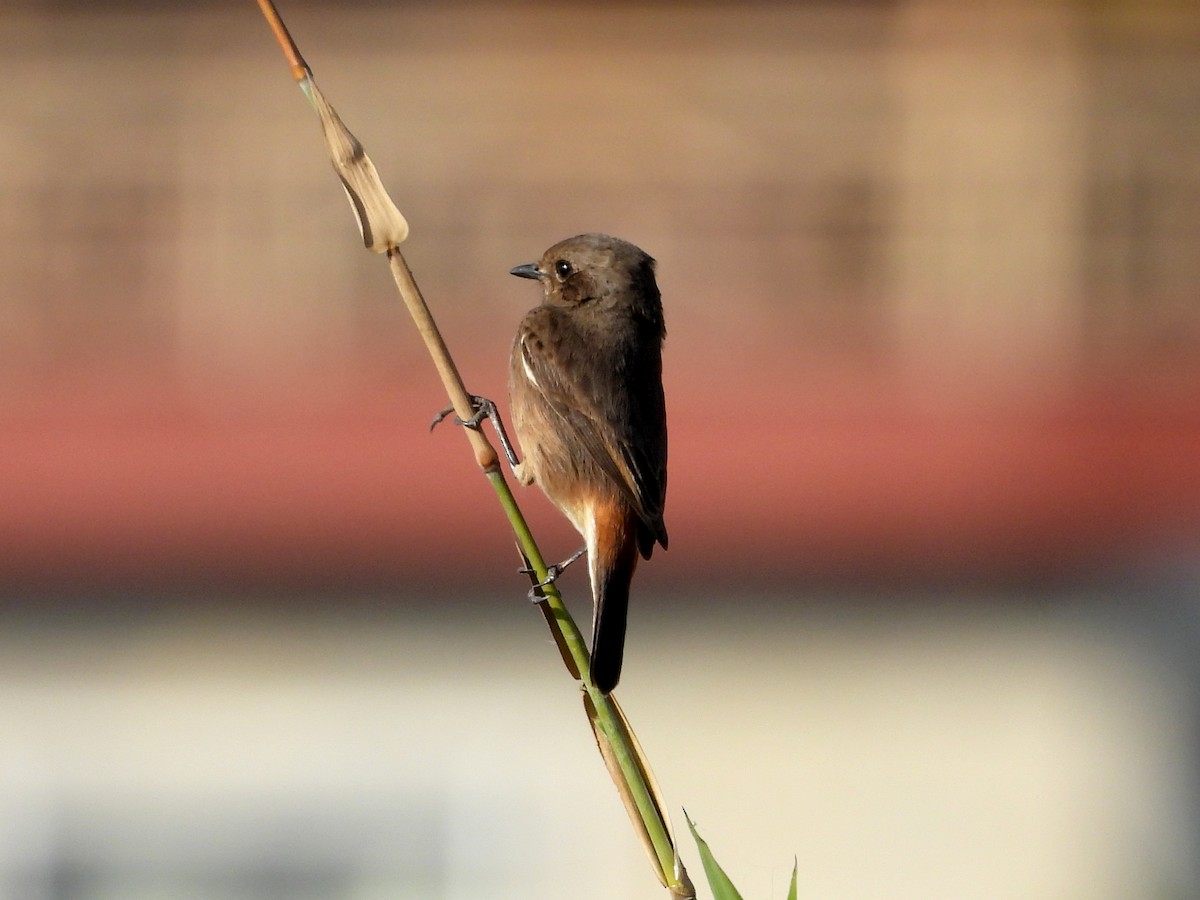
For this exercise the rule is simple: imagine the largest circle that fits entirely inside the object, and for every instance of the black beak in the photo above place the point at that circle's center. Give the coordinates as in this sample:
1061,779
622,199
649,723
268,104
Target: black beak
529,270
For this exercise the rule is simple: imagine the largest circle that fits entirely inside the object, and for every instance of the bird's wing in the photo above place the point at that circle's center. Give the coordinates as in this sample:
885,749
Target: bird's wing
626,449
646,460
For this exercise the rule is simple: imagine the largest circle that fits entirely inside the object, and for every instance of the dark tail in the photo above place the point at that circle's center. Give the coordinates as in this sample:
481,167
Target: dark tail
614,576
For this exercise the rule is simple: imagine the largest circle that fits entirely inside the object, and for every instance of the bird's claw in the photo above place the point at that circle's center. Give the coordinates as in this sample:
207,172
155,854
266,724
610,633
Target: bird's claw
553,571
536,594
484,409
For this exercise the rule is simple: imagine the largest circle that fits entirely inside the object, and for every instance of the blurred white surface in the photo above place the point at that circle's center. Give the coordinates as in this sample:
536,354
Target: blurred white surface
951,752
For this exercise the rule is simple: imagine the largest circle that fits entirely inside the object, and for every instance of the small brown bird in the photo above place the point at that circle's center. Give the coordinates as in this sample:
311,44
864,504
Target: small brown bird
585,387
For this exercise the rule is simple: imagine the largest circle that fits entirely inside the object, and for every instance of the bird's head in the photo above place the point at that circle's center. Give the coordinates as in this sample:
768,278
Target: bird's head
597,270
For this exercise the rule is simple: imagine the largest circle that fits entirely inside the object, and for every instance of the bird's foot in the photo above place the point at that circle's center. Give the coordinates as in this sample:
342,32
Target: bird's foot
484,409
552,574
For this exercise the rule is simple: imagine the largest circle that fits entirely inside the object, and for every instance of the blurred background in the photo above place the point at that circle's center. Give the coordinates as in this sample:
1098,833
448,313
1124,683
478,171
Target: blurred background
929,620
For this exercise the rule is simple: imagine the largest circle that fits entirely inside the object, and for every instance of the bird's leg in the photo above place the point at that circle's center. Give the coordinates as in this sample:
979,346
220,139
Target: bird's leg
552,573
484,409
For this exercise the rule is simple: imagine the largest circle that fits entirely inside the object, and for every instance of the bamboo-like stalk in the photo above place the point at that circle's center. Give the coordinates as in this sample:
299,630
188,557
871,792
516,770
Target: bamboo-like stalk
383,228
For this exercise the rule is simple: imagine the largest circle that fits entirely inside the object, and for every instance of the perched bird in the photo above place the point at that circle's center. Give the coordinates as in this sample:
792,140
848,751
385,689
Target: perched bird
585,388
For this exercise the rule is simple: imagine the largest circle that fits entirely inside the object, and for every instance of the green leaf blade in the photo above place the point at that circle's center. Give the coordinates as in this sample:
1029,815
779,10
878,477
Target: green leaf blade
718,881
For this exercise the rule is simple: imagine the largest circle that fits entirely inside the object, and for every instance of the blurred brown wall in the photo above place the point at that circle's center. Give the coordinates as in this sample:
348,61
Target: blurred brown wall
931,272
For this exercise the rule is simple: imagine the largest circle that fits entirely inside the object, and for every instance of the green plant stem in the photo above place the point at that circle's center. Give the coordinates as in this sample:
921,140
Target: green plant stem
383,228
613,724
606,717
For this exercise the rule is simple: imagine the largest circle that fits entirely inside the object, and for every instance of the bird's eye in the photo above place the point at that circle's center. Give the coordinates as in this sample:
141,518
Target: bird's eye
562,268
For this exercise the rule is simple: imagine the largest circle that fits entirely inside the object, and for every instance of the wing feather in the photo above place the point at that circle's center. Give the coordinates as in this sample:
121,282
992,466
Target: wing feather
624,437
